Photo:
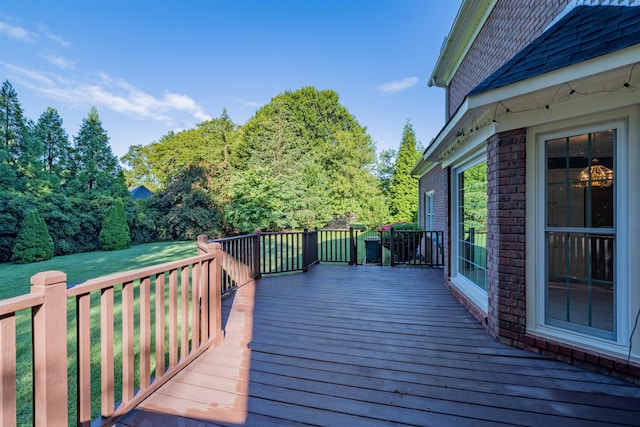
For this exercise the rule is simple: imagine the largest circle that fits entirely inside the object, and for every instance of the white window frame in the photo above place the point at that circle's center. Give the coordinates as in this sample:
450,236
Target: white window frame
429,211
476,294
536,233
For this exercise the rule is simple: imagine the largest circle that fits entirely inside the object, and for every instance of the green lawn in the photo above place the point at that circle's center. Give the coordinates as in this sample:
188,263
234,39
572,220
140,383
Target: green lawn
79,267
14,278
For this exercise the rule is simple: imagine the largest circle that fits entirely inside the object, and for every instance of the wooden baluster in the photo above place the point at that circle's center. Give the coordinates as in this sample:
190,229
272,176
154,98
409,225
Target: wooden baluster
160,282
128,338
106,352
145,332
173,318
83,333
184,313
195,306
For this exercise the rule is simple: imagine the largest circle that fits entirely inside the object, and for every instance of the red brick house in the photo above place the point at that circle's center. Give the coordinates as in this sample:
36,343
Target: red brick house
535,177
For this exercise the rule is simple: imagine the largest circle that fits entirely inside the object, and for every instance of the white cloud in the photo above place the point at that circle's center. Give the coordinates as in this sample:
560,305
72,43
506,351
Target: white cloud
59,40
396,86
59,61
17,33
114,94
248,103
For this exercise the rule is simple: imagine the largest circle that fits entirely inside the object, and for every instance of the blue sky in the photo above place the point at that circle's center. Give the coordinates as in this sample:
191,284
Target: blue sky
150,67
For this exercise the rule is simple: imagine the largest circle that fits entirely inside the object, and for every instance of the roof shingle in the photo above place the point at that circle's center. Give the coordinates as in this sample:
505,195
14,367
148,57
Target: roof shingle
586,32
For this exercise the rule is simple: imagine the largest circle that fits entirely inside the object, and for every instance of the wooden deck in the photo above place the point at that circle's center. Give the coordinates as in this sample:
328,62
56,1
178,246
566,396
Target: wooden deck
348,346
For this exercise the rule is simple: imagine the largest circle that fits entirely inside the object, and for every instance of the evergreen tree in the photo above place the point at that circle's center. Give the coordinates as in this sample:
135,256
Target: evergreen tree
95,166
115,234
54,141
14,137
33,242
403,190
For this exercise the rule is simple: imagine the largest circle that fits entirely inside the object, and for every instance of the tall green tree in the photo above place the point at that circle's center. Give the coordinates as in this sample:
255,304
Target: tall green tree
56,149
384,170
95,166
403,190
18,148
301,135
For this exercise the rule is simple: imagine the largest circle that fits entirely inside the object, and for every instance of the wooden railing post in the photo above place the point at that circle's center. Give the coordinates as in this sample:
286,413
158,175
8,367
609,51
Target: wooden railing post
215,292
50,350
215,285
256,254
352,248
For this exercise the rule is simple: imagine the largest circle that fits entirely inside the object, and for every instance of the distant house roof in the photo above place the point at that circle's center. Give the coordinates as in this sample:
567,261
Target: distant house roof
140,192
586,32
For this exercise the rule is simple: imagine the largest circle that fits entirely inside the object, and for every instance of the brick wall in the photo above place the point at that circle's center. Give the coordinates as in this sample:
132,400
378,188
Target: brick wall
437,180
512,25
506,282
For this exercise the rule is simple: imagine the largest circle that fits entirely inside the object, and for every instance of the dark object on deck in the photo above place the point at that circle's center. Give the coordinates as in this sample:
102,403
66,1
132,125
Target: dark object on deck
372,248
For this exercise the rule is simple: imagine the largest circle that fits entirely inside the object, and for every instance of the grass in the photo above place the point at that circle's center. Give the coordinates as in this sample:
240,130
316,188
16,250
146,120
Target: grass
78,267
14,278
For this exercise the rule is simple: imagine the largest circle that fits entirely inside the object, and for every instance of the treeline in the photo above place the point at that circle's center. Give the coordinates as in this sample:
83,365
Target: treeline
301,161
70,185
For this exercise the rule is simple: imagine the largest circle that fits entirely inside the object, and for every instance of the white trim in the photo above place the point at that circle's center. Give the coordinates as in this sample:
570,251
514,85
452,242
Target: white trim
429,213
468,22
477,295
596,69
626,199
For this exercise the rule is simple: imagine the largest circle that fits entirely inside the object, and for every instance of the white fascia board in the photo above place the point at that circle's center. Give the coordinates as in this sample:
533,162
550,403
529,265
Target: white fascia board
422,168
573,72
470,19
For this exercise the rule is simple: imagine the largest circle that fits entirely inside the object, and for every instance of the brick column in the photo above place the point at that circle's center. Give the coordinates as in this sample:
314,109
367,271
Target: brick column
506,285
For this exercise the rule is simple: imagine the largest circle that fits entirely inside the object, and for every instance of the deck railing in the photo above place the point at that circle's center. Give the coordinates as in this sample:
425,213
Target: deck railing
135,330
166,315
416,247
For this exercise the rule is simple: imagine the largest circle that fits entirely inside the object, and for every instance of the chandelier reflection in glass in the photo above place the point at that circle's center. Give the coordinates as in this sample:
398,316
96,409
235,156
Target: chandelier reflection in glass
595,175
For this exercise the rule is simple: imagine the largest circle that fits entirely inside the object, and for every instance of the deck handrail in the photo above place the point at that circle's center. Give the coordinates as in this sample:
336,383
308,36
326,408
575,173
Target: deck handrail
194,324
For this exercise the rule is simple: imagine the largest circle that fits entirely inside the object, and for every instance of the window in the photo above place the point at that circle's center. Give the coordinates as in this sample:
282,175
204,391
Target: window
472,224
429,213
580,233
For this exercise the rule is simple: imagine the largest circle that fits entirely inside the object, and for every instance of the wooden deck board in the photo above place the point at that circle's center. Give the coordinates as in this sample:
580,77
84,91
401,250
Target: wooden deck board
374,346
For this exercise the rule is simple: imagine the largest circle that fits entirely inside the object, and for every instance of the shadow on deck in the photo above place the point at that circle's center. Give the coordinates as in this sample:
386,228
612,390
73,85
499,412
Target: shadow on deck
345,346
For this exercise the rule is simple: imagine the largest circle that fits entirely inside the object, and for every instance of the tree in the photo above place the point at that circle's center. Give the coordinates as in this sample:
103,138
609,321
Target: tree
156,164
33,242
308,137
184,209
403,194
95,166
18,148
384,170
54,141
115,234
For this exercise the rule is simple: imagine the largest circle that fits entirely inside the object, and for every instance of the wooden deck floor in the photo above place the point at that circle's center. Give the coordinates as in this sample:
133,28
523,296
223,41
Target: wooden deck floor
348,346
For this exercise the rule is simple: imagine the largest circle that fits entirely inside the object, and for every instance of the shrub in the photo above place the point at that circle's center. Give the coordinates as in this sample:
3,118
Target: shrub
33,242
115,233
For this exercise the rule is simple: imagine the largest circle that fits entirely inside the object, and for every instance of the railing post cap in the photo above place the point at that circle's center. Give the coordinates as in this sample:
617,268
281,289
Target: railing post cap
215,246
46,278
202,238
257,231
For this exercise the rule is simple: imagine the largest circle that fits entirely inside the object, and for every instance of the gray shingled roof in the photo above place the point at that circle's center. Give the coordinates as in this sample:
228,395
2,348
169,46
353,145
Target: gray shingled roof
586,32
